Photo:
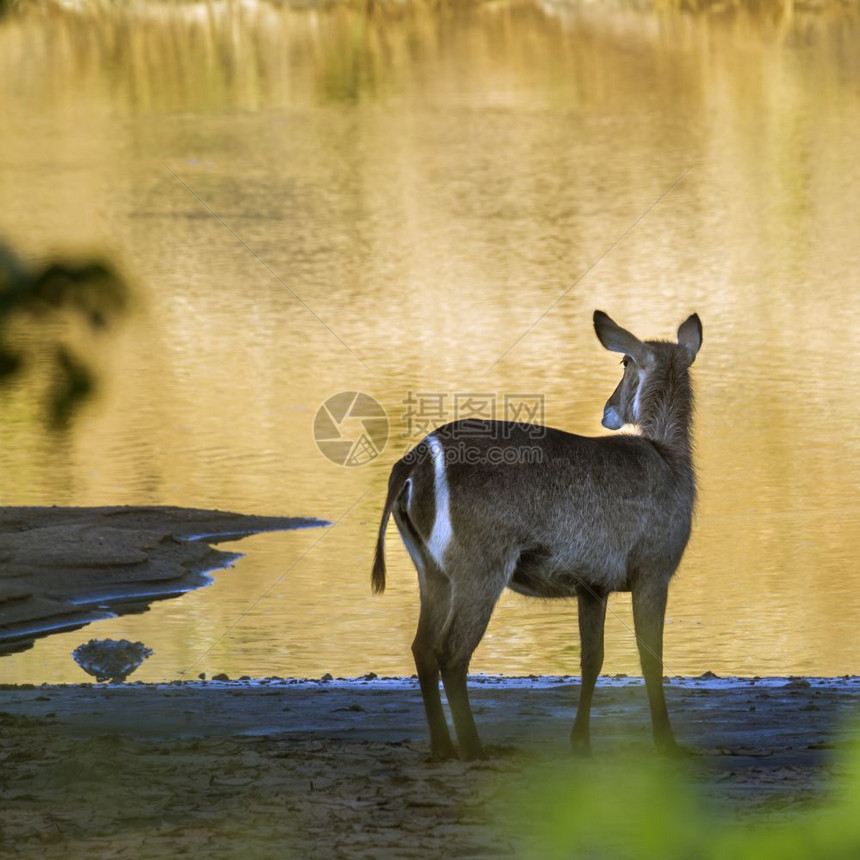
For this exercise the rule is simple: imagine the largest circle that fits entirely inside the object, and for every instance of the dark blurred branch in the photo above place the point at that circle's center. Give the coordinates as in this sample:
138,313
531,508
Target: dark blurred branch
93,291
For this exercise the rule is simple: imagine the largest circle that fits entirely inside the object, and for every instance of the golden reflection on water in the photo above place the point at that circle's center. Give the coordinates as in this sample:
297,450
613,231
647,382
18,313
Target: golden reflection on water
429,182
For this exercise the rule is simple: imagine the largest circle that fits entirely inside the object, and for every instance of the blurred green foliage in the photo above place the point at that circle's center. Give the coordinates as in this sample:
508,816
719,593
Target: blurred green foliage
647,809
43,298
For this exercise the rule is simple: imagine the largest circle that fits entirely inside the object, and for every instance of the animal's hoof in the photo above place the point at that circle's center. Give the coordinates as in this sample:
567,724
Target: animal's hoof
674,750
501,751
580,748
440,755
474,755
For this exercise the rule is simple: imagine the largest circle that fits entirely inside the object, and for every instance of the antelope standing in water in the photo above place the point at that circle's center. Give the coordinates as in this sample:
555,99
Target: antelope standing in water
587,517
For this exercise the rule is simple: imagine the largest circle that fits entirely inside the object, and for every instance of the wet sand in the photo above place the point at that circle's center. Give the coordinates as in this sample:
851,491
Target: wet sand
62,568
286,768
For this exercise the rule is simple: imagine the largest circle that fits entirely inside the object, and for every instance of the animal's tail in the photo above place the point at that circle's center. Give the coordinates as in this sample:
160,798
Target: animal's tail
396,482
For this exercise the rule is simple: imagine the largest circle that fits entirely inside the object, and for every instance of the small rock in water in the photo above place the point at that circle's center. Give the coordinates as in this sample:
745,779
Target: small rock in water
110,659
707,676
221,676
202,676
371,676
327,677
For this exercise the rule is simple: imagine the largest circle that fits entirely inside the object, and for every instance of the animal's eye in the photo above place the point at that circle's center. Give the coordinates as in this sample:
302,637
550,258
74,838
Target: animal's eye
626,360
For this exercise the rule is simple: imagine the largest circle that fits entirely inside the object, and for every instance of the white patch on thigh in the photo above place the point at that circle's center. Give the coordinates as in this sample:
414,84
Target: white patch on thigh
442,532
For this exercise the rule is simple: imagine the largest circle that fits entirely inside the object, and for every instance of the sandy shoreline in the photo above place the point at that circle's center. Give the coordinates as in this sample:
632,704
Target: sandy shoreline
281,767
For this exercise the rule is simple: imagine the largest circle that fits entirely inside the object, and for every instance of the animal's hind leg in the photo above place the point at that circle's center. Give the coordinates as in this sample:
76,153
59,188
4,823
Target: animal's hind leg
435,605
592,616
474,596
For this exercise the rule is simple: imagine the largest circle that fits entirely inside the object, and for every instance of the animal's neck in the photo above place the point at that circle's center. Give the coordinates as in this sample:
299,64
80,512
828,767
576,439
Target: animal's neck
666,419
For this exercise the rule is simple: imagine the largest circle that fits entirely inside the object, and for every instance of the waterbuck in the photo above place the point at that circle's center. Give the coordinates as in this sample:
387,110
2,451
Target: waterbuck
586,517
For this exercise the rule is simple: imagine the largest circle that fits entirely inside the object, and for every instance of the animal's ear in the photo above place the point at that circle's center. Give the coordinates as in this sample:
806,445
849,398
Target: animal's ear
690,336
617,339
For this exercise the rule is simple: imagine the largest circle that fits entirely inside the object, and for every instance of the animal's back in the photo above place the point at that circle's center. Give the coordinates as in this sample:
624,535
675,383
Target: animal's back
565,503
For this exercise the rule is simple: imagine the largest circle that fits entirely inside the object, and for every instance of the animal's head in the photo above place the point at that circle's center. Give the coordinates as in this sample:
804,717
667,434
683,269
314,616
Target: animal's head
650,367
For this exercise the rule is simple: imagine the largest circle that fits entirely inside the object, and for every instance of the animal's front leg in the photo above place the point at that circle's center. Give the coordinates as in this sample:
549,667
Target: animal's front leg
649,611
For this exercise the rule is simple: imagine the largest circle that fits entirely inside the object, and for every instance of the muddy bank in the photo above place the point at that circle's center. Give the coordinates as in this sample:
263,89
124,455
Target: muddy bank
61,568
338,769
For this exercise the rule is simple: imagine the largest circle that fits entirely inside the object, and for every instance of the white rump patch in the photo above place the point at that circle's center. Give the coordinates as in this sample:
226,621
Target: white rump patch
442,532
